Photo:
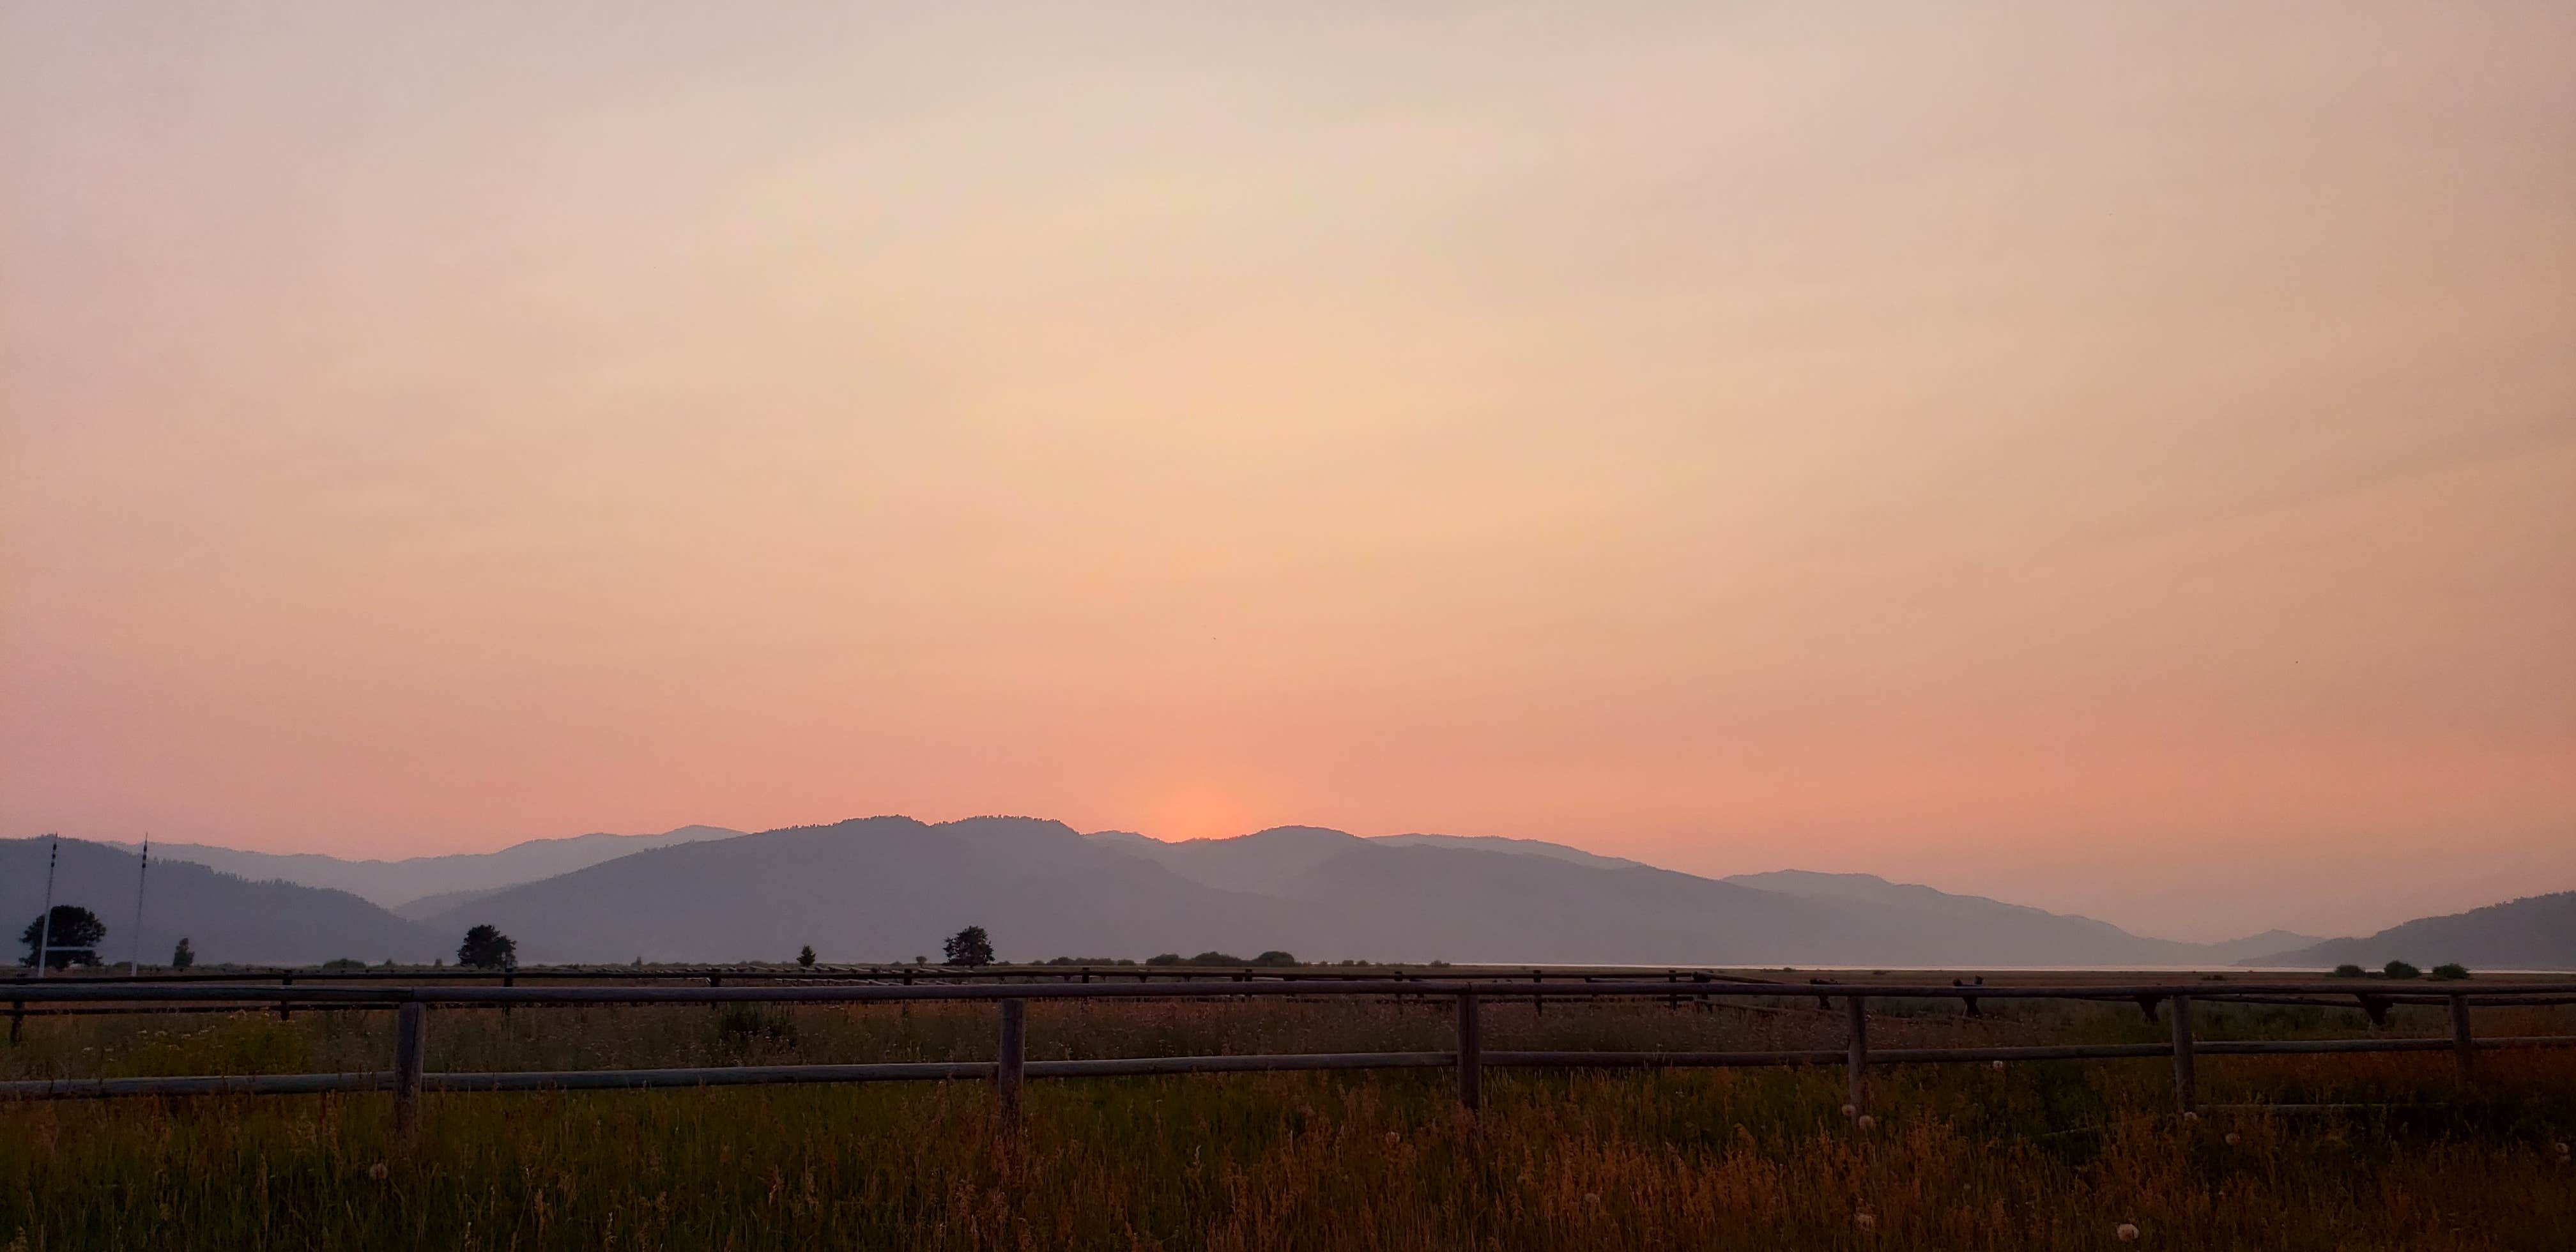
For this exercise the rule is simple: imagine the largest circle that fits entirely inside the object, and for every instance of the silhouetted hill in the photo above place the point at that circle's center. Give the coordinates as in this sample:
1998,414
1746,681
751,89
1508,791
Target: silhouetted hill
2042,936
1498,843
396,883
889,888
2535,932
881,888
1522,901
226,917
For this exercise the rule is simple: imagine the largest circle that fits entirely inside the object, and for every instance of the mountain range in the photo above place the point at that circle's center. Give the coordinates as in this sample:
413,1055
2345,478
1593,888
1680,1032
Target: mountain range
406,884
890,888
224,916
2534,932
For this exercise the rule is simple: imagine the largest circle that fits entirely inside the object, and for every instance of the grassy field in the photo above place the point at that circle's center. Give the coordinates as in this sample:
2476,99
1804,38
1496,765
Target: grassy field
2032,1156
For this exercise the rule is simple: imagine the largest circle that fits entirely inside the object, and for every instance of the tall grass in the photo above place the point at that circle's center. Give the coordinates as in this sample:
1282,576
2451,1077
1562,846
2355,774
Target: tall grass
2033,1156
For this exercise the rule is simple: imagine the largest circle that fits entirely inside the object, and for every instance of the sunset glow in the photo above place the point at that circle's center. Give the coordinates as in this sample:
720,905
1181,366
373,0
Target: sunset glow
2118,461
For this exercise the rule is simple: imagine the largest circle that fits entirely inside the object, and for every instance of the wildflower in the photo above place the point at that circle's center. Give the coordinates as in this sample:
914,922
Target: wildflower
1392,1138
2127,1233
1865,1221
2232,1139
1851,1110
2190,1116
1868,1122
1592,1197
377,1171
1998,1067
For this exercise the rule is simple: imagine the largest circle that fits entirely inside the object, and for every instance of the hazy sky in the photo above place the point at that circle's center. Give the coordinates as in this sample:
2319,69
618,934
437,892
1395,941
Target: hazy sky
2118,461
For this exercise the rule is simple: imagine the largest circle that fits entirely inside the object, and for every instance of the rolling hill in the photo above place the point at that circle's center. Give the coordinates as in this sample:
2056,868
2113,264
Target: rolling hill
2535,932
889,888
1523,900
882,888
227,918
1943,917
397,884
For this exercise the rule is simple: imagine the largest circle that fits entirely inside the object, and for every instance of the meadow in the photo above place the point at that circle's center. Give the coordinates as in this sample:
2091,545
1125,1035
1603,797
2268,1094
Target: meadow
2032,1155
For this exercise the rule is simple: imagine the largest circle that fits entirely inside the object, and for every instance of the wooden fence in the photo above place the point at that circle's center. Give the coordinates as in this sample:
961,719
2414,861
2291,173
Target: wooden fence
1010,1068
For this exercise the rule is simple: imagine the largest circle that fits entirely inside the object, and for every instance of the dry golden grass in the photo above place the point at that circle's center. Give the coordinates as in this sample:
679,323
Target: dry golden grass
2035,1156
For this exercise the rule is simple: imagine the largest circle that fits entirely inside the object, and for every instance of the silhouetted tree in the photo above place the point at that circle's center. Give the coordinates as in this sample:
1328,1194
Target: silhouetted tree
485,947
184,955
805,956
970,946
1274,958
72,939
2347,971
2450,970
2400,969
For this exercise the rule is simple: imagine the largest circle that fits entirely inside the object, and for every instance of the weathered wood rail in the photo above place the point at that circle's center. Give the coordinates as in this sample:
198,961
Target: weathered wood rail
1010,1068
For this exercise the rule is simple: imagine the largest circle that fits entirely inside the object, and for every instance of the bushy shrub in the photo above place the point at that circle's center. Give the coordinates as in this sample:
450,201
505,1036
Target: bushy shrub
2400,969
1275,958
1167,958
2347,971
2450,970
1216,958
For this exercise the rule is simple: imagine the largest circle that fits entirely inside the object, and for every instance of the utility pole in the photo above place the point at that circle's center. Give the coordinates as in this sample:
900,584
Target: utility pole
45,920
141,867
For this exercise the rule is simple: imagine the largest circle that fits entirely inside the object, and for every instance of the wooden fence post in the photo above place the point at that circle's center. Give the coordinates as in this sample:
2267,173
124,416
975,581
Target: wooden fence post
284,1009
1471,1053
1011,1061
2463,1045
1859,1063
411,1040
2184,1087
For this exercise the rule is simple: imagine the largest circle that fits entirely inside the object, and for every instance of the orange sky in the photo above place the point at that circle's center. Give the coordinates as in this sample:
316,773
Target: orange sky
2122,462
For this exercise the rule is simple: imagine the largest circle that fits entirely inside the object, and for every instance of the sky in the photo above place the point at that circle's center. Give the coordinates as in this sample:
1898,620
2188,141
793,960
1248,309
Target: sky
2118,459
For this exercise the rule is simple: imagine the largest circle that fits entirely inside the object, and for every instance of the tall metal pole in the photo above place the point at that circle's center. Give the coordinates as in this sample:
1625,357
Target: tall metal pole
45,920
141,867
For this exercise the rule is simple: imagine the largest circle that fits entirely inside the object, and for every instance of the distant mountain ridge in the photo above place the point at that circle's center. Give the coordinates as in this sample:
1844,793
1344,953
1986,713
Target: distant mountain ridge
225,917
879,888
888,888
2534,932
2084,940
1804,917
393,884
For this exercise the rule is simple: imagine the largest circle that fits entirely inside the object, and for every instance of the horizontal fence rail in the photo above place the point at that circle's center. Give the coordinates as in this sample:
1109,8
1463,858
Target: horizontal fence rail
412,1003
147,990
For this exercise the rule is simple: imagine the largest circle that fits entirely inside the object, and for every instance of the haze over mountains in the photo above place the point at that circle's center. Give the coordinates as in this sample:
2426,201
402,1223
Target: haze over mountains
226,917
2535,932
395,884
890,888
